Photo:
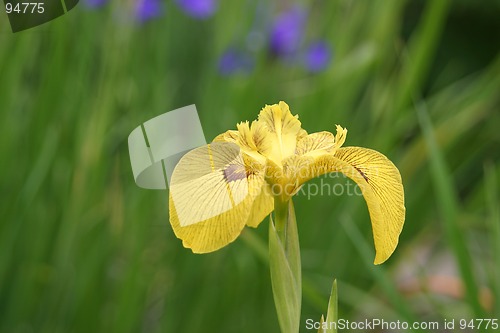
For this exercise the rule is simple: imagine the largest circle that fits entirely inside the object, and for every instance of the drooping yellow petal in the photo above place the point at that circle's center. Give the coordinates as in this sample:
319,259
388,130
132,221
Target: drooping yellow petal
262,206
211,194
380,183
283,130
212,176
212,234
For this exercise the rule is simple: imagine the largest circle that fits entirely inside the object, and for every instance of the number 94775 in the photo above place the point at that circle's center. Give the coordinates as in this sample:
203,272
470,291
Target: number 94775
25,8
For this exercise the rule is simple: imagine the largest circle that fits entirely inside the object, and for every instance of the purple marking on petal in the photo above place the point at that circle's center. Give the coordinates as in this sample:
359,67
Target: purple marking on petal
233,60
146,10
199,9
287,31
234,172
318,56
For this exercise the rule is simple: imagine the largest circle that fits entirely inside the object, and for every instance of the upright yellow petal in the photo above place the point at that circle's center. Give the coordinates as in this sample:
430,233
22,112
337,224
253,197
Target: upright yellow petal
261,138
302,133
247,140
228,136
340,136
317,144
320,142
245,137
380,183
283,130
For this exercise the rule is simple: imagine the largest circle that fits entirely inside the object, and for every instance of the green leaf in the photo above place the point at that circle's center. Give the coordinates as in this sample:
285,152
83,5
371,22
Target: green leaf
446,196
284,261
321,322
292,247
332,316
492,199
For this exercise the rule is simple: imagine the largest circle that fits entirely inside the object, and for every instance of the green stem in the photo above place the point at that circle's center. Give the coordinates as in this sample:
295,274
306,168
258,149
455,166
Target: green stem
284,262
281,218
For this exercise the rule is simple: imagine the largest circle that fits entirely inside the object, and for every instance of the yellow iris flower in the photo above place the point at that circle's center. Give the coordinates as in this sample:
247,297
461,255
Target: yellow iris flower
234,181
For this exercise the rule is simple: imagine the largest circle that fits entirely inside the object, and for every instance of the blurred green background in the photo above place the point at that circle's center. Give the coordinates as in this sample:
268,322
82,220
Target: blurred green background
83,249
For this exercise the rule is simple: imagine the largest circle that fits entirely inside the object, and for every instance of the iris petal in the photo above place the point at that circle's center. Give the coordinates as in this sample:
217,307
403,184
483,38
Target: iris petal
276,153
216,178
262,206
283,130
382,188
322,141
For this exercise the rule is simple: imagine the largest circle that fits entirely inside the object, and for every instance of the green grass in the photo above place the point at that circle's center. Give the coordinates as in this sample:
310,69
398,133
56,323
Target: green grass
83,249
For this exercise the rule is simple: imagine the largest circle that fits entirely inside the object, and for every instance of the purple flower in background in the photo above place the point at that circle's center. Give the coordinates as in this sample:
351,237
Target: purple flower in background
318,56
146,10
287,32
199,9
234,60
95,3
